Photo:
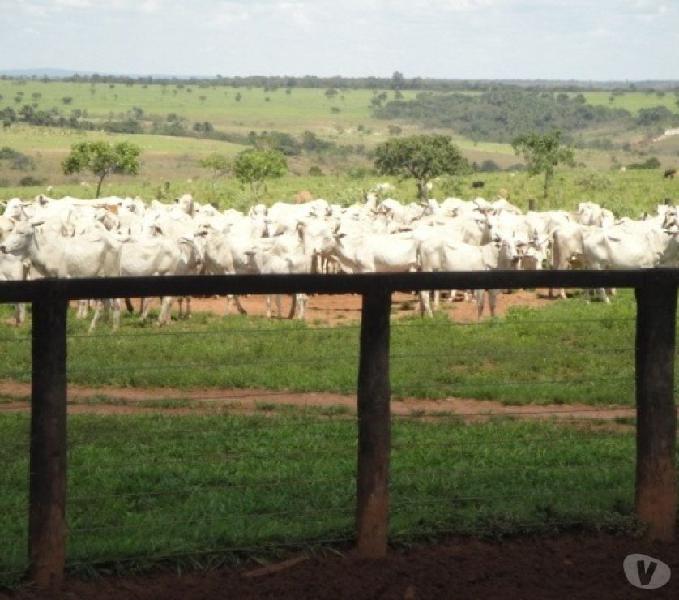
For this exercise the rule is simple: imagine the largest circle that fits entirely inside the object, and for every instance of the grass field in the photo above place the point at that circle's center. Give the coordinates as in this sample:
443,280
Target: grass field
152,487
569,351
632,101
345,119
302,108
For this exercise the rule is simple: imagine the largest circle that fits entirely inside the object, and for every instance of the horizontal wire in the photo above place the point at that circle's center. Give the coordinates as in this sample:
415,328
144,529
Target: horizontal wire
395,325
201,460
394,506
396,475
349,510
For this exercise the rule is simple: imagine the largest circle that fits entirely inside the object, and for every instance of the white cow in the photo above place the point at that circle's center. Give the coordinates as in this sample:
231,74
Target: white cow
441,255
51,255
615,248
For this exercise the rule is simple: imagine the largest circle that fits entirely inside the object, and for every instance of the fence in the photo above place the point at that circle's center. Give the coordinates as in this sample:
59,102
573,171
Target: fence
656,295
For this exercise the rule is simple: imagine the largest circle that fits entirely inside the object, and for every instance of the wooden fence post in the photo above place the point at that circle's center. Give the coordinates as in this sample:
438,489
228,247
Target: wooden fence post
374,426
47,479
656,476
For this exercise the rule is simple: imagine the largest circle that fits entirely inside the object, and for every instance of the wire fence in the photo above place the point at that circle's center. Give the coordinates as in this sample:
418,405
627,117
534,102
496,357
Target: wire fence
224,436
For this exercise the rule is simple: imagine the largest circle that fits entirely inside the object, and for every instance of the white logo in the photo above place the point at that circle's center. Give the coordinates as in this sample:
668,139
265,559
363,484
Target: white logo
646,572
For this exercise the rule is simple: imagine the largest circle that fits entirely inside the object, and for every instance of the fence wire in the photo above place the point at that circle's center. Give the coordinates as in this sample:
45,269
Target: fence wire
222,436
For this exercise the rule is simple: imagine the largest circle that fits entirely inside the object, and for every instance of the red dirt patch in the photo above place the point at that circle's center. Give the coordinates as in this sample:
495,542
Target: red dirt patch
567,567
115,400
334,310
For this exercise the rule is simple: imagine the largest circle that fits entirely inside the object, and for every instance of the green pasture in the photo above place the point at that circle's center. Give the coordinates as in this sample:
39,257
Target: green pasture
28,139
148,488
633,101
302,108
567,352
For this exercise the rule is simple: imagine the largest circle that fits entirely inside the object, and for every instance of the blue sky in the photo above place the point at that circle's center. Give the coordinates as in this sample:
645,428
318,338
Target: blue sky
551,39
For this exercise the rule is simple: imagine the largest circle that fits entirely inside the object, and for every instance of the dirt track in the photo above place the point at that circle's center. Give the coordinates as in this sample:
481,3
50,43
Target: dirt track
113,400
569,567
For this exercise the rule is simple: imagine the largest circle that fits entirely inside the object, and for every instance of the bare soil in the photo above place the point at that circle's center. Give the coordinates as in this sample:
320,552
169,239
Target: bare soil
333,310
115,400
572,567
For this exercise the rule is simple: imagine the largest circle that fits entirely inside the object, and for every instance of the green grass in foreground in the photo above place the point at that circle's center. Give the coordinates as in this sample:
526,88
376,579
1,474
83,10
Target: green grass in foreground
569,351
146,487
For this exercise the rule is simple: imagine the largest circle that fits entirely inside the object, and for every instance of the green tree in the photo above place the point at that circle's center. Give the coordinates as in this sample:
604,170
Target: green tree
217,163
421,157
542,154
102,159
255,166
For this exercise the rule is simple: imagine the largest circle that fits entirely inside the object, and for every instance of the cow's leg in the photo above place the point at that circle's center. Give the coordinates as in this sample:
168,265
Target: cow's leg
115,303
425,304
268,306
302,302
437,299
165,315
19,313
129,306
145,306
187,314
239,306
82,309
294,307
480,297
97,312
492,301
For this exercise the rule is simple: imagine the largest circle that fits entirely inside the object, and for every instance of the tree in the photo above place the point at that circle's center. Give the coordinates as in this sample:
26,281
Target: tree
217,163
543,153
422,157
397,80
102,159
254,166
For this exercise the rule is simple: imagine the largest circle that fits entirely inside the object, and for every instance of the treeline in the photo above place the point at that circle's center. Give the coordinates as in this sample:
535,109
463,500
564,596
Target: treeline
396,81
501,114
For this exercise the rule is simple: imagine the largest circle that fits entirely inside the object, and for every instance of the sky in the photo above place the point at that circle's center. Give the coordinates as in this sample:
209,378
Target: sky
478,39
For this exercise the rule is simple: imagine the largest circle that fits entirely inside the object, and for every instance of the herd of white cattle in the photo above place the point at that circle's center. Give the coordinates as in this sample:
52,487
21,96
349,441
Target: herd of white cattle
108,237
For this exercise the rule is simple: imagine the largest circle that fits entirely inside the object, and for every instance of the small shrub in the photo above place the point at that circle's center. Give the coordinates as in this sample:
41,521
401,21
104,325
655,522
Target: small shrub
29,180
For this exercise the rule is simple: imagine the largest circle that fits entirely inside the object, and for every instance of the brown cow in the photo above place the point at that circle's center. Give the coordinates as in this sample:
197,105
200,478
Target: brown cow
669,173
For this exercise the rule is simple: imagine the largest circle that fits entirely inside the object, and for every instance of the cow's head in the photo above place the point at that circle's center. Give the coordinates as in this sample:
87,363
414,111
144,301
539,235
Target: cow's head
18,241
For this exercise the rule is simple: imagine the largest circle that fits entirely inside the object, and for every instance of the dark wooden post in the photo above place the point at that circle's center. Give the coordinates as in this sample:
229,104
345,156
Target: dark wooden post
656,476
47,480
374,426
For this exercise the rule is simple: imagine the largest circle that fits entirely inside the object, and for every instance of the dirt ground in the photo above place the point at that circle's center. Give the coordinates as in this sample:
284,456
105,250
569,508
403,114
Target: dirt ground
334,310
115,400
569,567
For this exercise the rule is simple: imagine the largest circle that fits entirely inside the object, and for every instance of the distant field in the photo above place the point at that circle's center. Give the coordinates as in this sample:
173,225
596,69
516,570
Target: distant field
177,159
50,139
633,101
301,109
